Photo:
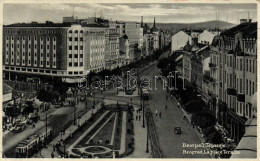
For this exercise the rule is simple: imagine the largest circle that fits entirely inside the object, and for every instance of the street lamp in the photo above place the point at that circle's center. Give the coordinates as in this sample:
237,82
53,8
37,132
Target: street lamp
131,102
147,137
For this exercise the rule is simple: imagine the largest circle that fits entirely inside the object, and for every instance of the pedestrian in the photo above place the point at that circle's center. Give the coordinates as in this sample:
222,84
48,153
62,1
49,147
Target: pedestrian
139,117
165,106
156,113
136,117
53,147
171,96
52,155
183,116
192,124
179,104
160,115
166,98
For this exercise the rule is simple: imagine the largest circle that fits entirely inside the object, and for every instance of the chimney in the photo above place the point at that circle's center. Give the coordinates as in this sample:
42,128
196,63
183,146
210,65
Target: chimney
243,21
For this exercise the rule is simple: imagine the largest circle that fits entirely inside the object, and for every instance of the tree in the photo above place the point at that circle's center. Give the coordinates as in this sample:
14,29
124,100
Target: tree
194,106
163,63
61,88
203,119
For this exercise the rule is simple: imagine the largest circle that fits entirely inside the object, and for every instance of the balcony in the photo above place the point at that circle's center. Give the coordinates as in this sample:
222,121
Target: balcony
231,91
212,65
241,97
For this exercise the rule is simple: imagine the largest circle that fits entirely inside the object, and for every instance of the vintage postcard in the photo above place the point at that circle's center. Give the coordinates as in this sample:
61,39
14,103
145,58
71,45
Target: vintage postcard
130,79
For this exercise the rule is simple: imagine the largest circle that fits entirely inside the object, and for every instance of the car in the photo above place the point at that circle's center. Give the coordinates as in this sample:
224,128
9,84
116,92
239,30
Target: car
177,130
19,128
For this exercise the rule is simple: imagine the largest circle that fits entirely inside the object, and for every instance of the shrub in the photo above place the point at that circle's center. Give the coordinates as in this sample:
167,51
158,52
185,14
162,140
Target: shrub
107,141
91,141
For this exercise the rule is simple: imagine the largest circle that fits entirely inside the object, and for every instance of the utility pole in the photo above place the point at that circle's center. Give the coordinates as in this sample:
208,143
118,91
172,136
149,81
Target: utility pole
143,114
46,124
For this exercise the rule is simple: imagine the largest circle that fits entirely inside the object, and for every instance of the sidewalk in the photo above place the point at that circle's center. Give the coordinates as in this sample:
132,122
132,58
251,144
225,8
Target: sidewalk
140,140
46,152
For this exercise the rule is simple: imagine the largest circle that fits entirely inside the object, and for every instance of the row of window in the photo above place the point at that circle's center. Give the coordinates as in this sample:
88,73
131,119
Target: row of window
34,31
76,64
76,31
76,47
29,62
29,46
76,56
249,64
32,70
30,38
75,72
76,39
29,54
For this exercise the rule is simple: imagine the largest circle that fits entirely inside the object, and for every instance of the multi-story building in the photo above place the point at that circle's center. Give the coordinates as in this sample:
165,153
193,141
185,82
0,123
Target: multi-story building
112,48
52,49
234,65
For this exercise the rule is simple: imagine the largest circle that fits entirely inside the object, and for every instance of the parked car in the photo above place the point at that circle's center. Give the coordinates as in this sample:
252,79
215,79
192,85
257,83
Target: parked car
177,130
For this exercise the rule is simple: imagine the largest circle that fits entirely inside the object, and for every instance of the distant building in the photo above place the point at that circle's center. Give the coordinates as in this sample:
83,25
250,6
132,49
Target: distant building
206,37
179,40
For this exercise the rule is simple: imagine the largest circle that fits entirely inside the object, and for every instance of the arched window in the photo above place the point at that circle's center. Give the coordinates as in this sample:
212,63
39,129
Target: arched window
81,31
70,31
76,31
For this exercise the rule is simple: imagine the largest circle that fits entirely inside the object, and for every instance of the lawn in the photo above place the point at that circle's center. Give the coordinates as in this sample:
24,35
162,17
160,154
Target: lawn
106,132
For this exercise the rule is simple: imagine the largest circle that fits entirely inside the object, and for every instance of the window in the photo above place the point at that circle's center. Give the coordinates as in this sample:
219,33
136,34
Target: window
76,56
35,46
76,64
246,86
54,39
29,53
41,54
48,46
70,31
81,64
253,86
81,39
48,63
75,47
23,53
48,39
35,38
41,62
75,39
70,64
81,55
70,55
54,47
70,39
54,64
7,45
81,31
48,54
253,69
12,45
41,46
6,38
23,45
29,61
250,65
70,47
247,65
29,46
249,87
54,55
76,31
81,47
240,85
241,64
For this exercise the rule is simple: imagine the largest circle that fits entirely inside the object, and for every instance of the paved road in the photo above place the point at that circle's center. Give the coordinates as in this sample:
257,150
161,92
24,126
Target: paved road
170,143
57,119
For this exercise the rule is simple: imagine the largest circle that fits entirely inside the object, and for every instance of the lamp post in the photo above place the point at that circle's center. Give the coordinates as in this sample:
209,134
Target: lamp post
143,114
147,137
131,101
64,149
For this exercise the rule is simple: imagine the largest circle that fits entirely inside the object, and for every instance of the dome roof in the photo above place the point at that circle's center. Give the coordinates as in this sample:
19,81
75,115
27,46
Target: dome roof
187,47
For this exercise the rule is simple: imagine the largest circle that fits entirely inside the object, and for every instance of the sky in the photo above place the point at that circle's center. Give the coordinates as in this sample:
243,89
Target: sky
164,13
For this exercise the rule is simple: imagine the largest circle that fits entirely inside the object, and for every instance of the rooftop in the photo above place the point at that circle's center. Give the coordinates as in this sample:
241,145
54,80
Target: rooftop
247,29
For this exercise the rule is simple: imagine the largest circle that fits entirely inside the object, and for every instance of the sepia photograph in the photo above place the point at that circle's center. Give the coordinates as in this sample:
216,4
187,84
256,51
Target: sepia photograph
129,80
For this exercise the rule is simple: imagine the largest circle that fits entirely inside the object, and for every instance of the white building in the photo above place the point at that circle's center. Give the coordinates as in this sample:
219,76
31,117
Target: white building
206,37
179,40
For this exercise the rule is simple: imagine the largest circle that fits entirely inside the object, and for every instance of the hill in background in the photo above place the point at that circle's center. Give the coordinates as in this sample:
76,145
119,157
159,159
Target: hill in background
175,27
